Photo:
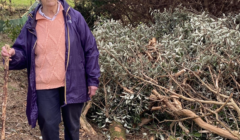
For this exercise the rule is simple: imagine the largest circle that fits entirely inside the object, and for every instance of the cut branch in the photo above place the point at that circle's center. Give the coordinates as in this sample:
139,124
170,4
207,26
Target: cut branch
83,120
198,120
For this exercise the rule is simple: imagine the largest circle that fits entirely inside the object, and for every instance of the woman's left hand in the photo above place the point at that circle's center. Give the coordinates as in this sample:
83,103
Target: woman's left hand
92,91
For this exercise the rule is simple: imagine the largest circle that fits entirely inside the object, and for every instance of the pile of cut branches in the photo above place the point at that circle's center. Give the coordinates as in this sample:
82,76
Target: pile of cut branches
184,84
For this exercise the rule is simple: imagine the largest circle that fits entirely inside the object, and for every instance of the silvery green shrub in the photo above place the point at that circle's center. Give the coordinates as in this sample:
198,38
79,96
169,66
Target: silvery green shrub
185,41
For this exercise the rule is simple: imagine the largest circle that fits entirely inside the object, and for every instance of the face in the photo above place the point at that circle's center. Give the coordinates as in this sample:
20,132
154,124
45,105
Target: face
49,3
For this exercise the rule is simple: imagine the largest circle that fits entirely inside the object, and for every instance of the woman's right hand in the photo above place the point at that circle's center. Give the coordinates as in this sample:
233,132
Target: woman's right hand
6,53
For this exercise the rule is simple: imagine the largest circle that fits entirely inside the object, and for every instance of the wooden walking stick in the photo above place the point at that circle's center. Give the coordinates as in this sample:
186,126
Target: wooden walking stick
5,93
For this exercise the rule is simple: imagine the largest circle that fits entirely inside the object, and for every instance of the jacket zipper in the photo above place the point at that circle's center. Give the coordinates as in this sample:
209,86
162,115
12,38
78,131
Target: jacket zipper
35,41
34,45
65,92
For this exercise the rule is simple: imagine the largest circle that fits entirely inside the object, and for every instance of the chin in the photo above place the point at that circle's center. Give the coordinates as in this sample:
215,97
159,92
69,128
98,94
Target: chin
51,4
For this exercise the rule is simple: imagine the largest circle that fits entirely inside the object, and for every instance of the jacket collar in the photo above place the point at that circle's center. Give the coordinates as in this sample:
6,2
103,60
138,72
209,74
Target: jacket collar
31,22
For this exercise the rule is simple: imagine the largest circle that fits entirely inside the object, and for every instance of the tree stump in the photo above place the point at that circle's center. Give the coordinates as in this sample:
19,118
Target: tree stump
117,131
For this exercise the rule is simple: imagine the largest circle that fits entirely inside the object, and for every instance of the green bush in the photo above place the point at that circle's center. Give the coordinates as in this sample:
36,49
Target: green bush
12,30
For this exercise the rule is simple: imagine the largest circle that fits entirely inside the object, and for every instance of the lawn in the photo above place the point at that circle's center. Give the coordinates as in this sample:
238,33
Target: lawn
29,2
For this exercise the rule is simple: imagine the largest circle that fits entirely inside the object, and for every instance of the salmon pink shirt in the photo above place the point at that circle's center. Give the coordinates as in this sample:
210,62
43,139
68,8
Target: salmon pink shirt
50,51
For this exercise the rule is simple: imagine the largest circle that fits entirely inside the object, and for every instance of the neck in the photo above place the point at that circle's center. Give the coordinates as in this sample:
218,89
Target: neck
50,11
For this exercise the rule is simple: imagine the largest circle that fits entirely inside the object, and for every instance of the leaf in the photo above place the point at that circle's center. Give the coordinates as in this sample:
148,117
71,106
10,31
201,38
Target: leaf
172,138
196,134
237,27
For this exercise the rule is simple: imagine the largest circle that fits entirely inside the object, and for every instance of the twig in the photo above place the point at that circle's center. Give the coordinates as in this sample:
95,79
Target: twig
152,80
198,121
236,108
215,84
179,73
118,105
227,128
183,127
158,108
235,81
106,101
97,106
180,86
208,86
234,120
158,58
202,101
212,76
149,55
125,89
219,109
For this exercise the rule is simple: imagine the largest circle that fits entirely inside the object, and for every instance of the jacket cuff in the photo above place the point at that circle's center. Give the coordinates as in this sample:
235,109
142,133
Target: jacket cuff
13,57
96,85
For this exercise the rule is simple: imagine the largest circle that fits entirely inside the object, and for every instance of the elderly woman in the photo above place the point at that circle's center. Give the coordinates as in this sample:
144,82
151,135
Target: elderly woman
61,57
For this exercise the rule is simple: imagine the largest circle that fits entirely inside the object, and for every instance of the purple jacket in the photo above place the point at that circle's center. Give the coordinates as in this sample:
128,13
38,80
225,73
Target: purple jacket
81,63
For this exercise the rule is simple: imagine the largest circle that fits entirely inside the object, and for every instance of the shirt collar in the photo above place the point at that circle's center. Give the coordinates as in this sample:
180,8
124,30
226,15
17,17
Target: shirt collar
46,17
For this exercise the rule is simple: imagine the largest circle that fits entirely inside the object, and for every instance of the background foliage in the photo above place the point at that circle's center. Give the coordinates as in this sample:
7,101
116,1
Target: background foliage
137,11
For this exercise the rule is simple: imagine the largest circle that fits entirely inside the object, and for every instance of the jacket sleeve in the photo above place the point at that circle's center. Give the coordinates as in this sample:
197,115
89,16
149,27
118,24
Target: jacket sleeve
19,60
91,52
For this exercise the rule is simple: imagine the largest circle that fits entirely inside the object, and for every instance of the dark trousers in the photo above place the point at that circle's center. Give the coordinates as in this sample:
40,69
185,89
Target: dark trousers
49,115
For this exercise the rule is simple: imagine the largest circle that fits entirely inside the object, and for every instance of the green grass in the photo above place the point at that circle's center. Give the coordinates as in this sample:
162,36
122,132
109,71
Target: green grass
22,2
27,3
